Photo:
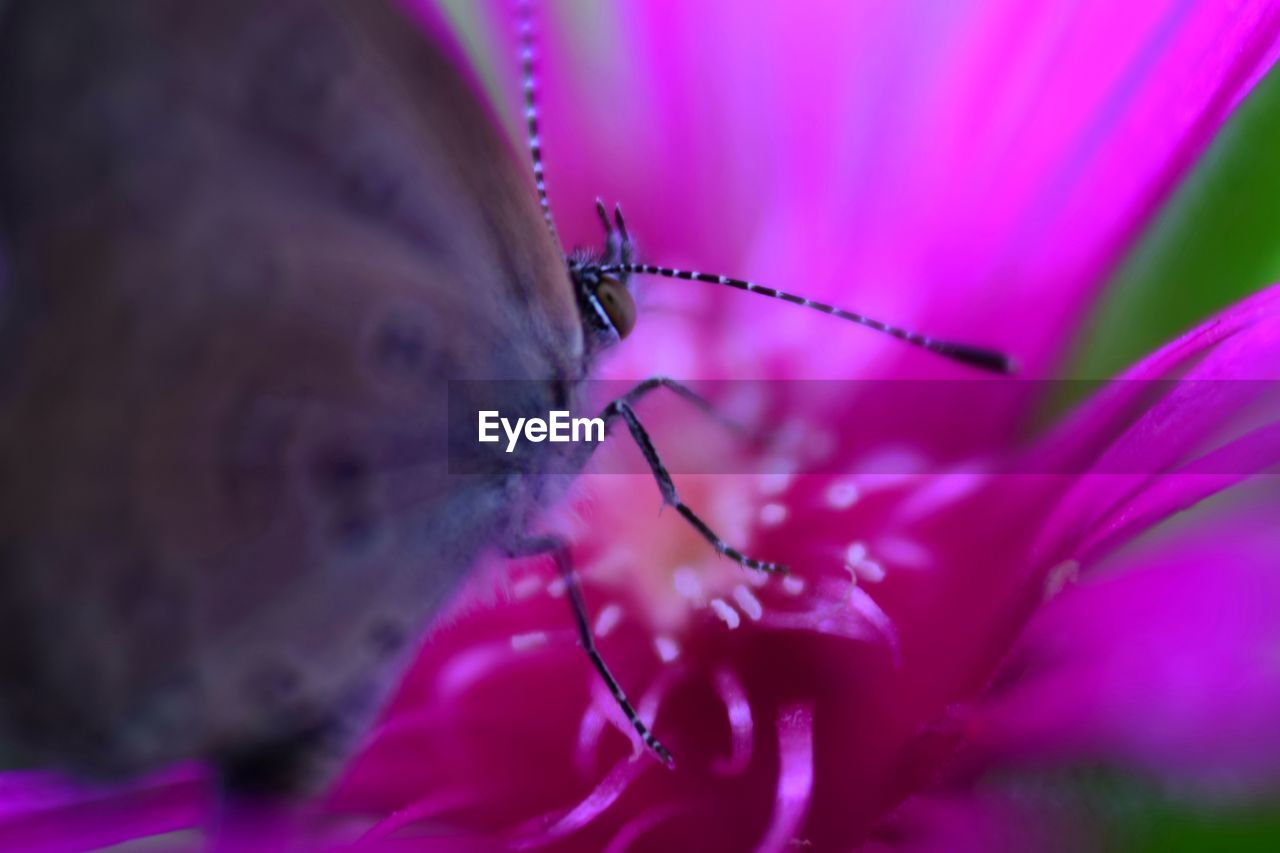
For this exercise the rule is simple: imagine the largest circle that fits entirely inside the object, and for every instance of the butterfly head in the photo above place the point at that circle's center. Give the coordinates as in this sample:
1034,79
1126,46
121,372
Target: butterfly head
602,287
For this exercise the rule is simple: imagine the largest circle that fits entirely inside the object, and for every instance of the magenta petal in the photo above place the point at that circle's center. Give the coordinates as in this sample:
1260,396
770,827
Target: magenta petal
40,812
425,809
1211,424
741,727
641,824
975,822
1170,667
981,167
795,778
545,830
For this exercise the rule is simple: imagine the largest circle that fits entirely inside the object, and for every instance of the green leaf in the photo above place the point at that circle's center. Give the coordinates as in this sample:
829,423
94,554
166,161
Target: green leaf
1217,240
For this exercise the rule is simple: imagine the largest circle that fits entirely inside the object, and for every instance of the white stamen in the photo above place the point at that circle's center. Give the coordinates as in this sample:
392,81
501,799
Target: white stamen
667,648
609,617
524,642
726,612
863,567
688,583
773,514
842,494
748,602
792,585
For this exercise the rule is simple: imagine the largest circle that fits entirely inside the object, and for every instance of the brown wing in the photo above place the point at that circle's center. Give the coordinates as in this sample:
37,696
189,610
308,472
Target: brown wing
249,243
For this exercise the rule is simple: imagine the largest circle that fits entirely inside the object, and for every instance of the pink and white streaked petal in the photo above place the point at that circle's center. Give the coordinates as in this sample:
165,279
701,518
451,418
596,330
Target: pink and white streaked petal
985,164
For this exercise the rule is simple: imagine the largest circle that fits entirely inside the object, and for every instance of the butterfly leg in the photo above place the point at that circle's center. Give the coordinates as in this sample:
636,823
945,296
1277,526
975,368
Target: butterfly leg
559,552
686,393
622,408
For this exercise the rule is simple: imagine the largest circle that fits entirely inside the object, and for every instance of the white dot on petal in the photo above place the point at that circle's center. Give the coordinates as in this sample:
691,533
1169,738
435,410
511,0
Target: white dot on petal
793,585
906,553
556,588
726,612
861,565
687,582
747,601
667,648
524,642
870,571
772,514
609,617
842,494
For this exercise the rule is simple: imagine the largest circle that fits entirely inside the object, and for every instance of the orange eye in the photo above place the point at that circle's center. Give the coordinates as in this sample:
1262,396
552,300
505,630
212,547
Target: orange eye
618,305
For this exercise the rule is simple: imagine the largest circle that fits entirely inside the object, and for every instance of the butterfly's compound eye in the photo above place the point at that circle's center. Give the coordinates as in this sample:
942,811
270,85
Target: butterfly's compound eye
617,303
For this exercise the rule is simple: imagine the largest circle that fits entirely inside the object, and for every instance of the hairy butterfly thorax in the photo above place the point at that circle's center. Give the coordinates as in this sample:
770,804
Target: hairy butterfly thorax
252,245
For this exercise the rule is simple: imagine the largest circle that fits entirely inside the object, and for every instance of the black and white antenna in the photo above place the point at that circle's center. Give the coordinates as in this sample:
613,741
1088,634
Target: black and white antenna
524,18
979,357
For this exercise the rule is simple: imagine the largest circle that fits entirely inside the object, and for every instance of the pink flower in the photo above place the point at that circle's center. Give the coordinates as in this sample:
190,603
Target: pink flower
974,173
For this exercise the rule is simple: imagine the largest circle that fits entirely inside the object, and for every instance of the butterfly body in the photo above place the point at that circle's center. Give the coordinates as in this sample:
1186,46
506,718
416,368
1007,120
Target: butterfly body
248,244
261,254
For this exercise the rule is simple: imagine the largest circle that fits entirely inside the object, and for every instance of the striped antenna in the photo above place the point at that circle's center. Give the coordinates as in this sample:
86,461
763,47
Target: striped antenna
524,15
980,357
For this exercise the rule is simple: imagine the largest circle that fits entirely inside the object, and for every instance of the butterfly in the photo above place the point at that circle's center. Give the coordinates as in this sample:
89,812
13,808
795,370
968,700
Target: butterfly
255,250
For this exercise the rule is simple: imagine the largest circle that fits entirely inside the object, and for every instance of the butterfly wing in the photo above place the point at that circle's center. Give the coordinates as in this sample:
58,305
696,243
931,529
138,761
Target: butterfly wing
249,244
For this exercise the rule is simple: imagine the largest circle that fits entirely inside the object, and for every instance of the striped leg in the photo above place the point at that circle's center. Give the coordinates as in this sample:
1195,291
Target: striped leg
560,553
621,408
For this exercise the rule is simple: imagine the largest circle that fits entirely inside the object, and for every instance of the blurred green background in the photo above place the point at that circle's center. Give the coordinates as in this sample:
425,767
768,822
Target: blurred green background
1217,240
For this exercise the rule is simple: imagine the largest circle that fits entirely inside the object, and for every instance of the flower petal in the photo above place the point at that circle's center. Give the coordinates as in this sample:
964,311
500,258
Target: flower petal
40,811
1170,664
1191,420
795,779
983,166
